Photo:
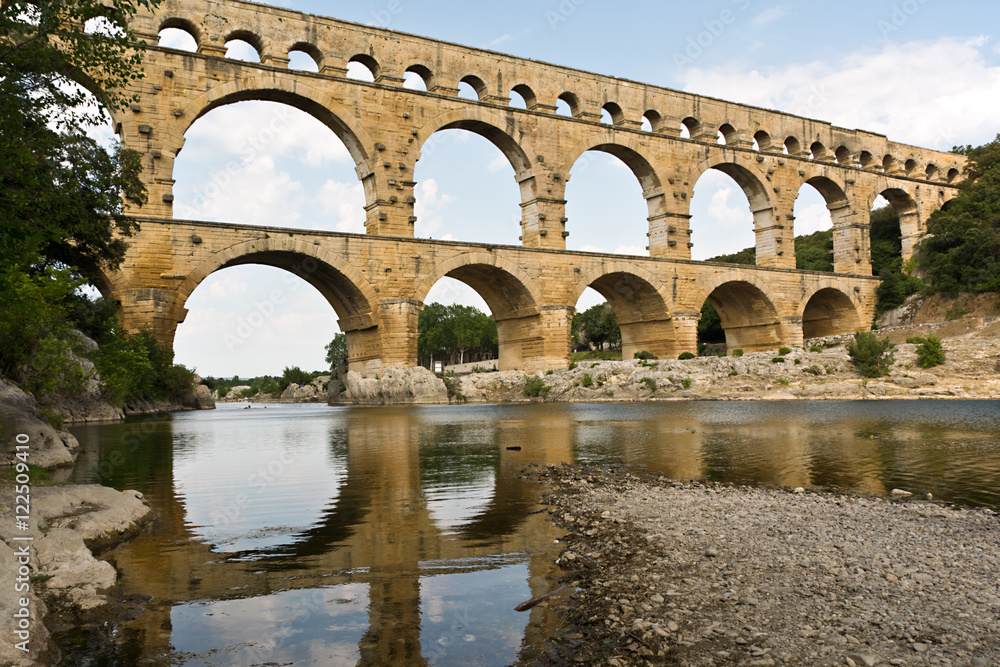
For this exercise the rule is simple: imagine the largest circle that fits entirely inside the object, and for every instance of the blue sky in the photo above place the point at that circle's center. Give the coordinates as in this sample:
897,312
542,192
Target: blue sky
924,72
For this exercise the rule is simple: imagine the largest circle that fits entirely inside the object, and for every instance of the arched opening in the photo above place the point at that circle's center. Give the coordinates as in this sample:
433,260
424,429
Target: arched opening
866,160
254,321
888,164
630,316
818,198
243,45
652,121
725,207
612,114
178,34
690,127
568,105
747,317
931,173
762,141
894,231
300,173
363,67
509,303
606,205
417,77
829,312
455,328
845,157
817,151
522,97
461,166
792,146
909,167
727,135
472,87
953,175
305,57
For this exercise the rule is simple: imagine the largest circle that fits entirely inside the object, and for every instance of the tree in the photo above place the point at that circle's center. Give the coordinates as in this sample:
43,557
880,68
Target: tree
447,330
962,250
336,350
871,355
598,326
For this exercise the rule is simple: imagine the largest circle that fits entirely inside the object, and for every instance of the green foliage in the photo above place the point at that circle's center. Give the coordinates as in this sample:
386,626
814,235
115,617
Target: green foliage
534,386
814,252
915,340
597,326
747,257
962,250
684,356
782,381
454,387
650,383
816,348
572,365
930,352
644,355
778,360
710,325
814,370
784,351
294,375
444,331
587,355
587,380
336,350
686,383
138,367
738,352
872,356
798,362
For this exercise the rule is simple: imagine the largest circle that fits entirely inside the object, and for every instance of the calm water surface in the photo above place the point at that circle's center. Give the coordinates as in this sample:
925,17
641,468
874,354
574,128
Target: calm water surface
314,535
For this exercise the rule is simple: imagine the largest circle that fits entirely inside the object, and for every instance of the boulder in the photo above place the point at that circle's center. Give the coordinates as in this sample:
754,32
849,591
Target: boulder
397,386
48,446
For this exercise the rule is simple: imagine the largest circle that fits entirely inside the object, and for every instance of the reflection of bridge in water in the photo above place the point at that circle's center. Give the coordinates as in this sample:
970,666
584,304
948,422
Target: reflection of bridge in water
378,531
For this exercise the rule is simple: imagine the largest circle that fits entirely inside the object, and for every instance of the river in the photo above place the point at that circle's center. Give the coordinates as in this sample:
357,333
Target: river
316,535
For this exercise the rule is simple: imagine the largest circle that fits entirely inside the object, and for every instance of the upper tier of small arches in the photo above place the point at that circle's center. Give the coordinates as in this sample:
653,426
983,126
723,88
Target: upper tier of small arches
344,50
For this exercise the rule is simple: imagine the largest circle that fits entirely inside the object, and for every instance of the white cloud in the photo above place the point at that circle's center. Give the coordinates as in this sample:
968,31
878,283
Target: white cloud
770,16
501,39
344,202
729,208
929,93
499,163
430,207
631,250
813,218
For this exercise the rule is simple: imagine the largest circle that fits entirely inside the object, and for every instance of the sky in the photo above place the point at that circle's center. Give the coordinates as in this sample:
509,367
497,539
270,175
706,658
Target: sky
923,72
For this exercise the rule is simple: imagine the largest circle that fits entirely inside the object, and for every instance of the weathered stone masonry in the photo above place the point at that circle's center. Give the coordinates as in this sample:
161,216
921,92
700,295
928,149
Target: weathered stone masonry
376,282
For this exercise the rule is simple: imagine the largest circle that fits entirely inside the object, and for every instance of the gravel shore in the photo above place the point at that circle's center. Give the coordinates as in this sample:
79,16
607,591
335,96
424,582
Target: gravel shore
695,574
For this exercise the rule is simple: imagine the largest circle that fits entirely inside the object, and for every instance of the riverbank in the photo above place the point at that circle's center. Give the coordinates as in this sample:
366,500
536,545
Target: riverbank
694,574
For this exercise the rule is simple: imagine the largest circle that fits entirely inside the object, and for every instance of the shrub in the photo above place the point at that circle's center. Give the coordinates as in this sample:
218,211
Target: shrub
587,380
535,387
814,369
872,356
594,365
686,383
798,361
454,386
783,382
778,360
738,352
685,356
645,355
784,351
572,365
816,348
650,383
930,353
915,340
549,372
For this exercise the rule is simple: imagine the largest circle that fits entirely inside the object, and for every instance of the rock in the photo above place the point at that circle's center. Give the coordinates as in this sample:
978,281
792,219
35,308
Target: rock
314,392
799,490
200,397
101,516
48,447
75,573
900,493
920,647
397,386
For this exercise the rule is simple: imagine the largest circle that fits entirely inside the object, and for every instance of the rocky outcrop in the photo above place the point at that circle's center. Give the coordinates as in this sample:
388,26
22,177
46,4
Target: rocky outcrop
314,392
65,528
397,386
200,397
19,417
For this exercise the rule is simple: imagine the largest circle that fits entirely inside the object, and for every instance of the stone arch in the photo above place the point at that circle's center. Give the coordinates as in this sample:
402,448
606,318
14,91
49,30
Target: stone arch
294,93
828,311
575,108
513,299
424,72
251,38
763,140
641,308
527,94
911,226
818,151
310,50
845,157
654,119
749,317
728,134
792,145
615,112
179,23
344,287
369,62
477,84
487,124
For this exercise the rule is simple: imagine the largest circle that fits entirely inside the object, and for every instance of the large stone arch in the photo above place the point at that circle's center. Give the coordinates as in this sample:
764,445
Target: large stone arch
828,311
513,298
642,309
850,244
344,287
912,226
750,318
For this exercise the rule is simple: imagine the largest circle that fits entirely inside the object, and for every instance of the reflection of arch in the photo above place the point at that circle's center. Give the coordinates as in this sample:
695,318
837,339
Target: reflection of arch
642,311
829,312
749,317
343,286
508,291
271,88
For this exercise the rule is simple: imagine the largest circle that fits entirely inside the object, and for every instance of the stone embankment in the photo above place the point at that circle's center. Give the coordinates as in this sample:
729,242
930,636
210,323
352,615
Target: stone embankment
675,573
67,529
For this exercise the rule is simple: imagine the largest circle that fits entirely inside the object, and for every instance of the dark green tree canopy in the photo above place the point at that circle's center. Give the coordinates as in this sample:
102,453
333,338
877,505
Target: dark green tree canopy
597,325
444,331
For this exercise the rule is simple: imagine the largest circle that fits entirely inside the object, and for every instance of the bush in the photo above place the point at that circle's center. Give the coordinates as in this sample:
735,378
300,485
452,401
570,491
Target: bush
814,369
650,383
685,356
686,383
535,387
872,356
644,355
798,361
738,352
930,353
778,360
915,340
572,365
784,351
454,386
816,348
587,380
